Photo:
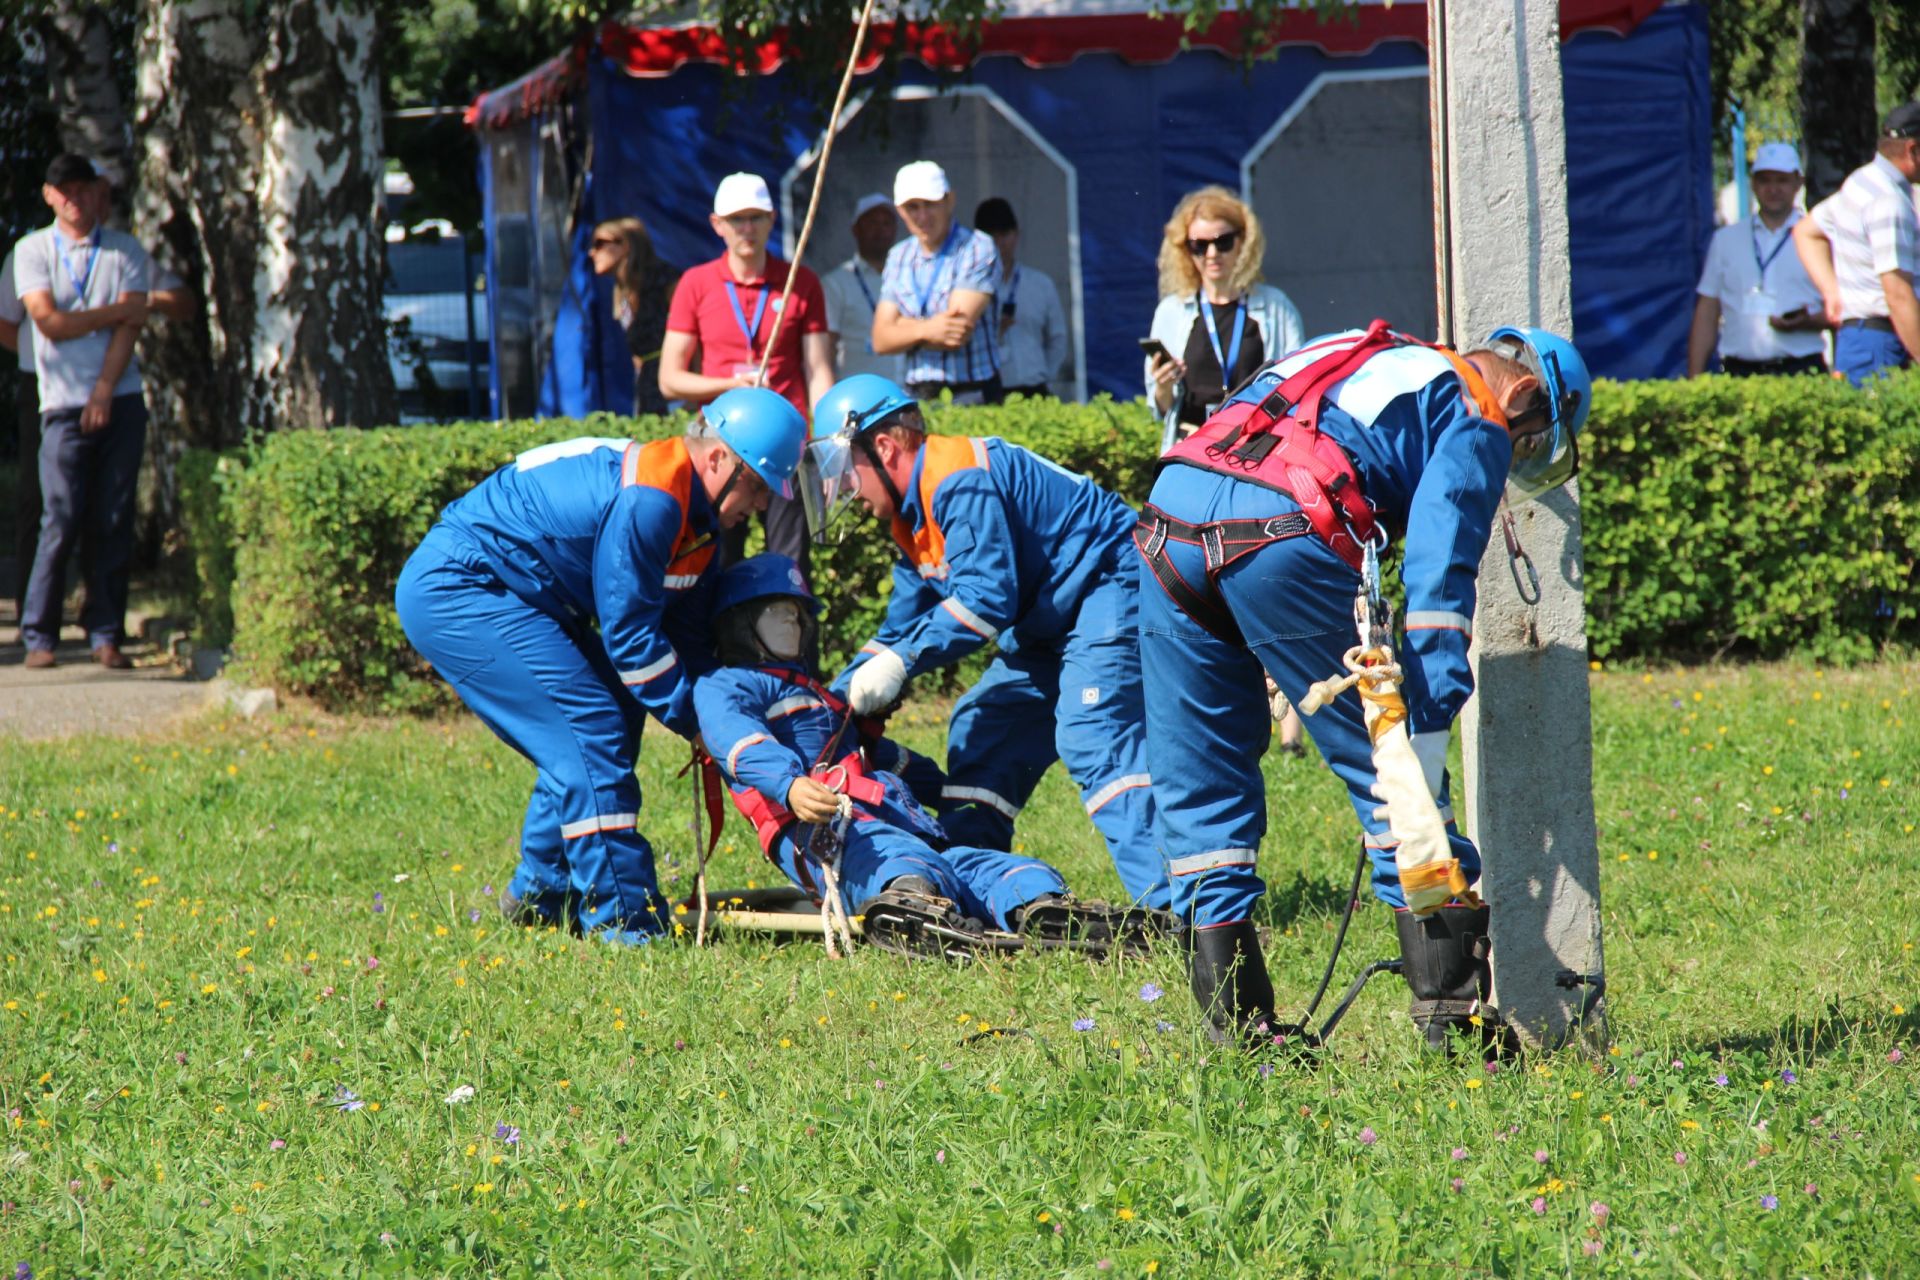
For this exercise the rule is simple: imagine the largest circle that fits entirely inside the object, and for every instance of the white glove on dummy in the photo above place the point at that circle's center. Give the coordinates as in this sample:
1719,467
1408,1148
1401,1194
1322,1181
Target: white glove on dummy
1431,747
877,683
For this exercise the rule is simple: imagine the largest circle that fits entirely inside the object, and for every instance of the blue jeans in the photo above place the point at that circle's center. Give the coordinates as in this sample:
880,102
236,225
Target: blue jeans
552,694
1207,718
87,484
1860,353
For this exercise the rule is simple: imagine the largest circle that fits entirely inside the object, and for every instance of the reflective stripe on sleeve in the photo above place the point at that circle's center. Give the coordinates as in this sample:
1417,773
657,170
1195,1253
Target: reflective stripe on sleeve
1439,620
733,752
969,619
789,706
599,822
980,795
651,671
1125,783
1194,863
680,581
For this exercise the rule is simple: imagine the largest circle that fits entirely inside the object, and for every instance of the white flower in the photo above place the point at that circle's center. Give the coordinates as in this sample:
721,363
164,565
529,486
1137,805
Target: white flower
463,1094
401,877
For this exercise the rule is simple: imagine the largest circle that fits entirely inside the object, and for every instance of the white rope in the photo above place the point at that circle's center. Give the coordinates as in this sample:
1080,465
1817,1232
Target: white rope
819,185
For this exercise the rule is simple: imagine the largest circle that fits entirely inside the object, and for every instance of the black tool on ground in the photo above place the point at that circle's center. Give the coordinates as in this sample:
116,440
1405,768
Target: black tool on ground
1596,991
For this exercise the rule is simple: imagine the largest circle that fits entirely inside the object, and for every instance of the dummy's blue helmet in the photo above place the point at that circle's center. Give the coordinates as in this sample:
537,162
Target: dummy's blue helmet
863,401
764,429
1567,387
757,577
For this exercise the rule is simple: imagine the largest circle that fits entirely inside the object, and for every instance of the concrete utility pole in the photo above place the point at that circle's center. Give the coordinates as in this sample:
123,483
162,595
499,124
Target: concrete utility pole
1500,214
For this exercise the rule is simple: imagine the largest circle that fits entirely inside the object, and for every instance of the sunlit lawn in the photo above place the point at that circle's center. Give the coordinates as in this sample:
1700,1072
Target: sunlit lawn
214,940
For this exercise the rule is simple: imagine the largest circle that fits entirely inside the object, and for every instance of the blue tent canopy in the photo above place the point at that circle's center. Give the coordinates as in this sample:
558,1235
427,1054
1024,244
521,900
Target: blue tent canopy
1099,148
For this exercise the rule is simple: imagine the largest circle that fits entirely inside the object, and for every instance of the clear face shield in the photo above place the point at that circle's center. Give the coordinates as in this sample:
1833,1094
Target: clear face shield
1544,454
828,484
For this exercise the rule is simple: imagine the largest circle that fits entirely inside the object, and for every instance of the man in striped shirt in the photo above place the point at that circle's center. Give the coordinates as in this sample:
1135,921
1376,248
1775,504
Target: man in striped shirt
1861,246
938,284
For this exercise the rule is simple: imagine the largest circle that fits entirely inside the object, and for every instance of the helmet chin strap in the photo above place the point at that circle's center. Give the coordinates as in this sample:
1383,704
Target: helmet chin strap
726,487
865,441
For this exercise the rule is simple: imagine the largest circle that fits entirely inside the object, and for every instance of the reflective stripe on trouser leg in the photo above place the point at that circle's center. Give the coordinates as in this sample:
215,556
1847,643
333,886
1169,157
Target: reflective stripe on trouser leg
876,854
1100,731
997,884
997,750
1290,587
557,702
1207,727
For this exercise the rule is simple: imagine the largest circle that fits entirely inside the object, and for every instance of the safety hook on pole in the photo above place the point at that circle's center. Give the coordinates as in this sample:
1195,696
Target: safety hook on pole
1517,558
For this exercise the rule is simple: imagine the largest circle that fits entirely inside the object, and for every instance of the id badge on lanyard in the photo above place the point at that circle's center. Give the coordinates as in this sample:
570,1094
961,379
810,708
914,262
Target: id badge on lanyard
1232,356
79,278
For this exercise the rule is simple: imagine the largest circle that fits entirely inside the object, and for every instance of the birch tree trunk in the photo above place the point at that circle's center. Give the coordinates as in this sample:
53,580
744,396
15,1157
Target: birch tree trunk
259,123
91,117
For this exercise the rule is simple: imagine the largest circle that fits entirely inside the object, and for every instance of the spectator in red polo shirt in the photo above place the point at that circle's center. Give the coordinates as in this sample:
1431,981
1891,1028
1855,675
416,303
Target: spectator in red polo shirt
720,320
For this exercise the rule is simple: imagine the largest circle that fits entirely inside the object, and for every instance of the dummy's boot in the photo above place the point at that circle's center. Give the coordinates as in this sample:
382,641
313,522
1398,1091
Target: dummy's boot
1060,920
1228,974
1447,968
910,918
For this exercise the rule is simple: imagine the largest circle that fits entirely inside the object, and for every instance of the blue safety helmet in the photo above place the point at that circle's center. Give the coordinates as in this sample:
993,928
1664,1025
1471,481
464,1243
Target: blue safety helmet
757,577
1547,457
851,408
763,429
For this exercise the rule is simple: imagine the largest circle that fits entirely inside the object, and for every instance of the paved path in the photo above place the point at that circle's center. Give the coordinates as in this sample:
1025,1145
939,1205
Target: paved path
79,696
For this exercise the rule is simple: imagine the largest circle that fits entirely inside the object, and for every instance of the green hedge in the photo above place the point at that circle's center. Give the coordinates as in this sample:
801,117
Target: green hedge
1755,517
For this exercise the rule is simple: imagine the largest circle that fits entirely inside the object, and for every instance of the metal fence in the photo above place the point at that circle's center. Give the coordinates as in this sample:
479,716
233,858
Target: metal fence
436,310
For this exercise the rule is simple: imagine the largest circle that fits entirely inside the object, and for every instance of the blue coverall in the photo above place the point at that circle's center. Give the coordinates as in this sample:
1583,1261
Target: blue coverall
502,597
1434,464
769,728
1000,545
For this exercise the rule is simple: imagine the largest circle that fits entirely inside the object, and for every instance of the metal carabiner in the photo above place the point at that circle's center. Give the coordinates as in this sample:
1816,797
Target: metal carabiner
1516,557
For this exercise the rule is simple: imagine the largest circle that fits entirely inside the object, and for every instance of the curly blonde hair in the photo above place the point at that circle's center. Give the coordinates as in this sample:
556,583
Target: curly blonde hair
1178,274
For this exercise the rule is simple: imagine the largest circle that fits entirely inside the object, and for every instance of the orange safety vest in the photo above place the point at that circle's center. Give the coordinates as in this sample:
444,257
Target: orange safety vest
667,466
940,457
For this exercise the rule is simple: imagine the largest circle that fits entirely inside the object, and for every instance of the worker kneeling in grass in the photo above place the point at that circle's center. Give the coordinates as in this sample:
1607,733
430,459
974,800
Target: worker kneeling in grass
821,787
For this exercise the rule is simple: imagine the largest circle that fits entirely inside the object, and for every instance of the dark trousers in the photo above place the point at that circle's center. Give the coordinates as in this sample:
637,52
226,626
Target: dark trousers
786,523
26,497
1785,365
87,484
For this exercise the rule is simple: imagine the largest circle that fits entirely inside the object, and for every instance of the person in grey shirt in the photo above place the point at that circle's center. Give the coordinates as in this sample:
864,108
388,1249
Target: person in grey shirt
1033,327
84,287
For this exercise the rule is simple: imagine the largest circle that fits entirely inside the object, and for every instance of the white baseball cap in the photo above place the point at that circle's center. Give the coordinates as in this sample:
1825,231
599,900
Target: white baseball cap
741,192
921,180
1776,157
868,203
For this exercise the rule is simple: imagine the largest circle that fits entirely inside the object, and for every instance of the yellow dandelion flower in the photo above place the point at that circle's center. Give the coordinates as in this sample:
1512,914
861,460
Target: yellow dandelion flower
1473,1084
481,1188
1044,1216
99,975
1125,1215
209,988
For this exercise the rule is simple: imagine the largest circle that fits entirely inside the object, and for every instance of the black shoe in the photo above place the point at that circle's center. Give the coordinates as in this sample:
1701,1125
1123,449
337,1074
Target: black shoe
1228,974
1447,968
926,926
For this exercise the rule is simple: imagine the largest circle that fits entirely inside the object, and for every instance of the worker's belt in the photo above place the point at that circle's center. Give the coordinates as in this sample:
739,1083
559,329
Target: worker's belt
1879,324
1739,368
1221,542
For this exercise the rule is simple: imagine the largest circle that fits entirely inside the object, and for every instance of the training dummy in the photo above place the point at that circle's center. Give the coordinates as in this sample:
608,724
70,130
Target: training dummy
816,792
1255,549
503,595
995,544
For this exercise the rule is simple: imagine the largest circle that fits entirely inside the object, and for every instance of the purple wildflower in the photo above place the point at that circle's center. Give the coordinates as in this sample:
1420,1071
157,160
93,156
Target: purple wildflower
487,889
940,1156
1591,1248
373,962
1105,1264
1680,1157
1162,1025
1083,1024
1600,1212
386,1237
1896,1057
473,916
1150,991
1540,1156
507,1133
1539,1204
1632,1080
278,1144
113,846
1266,1068
1813,1188
679,1044
1459,1153
1677,1064
1769,1203
1787,1077
21,1271
1843,793
1491,1067
1368,1137
1459,1184
345,1099
1721,1080
379,905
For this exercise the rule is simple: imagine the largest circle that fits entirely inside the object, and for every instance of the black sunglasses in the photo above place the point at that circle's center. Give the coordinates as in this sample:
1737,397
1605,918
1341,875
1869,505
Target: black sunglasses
1224,242
602,242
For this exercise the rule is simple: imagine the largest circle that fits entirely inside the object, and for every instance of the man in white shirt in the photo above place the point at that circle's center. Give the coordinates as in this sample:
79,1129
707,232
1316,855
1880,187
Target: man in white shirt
1032,327
853,289
1755,299
1861,249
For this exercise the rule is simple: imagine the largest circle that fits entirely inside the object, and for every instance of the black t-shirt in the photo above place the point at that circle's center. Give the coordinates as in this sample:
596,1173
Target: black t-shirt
1205,386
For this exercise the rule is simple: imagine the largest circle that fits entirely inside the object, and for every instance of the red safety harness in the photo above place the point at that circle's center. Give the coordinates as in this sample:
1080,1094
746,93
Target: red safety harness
1274,442
847,775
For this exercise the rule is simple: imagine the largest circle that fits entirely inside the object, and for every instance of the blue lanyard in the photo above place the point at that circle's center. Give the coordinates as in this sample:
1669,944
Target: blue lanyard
864,291
749,331
1764,263
1213,335
79,278
933,274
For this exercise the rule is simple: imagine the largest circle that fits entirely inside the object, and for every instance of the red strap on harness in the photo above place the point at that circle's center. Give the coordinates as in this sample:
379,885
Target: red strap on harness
714,791
847,776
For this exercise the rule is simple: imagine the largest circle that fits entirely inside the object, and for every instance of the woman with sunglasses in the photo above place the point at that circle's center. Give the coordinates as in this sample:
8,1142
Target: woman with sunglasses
1211,255
642,288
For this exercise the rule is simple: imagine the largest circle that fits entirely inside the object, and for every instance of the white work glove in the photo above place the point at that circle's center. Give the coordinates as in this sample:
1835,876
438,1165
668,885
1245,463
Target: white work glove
1431,747
877,684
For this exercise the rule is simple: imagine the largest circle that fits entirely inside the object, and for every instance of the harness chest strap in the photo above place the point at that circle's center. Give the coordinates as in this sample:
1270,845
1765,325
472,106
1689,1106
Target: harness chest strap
847,777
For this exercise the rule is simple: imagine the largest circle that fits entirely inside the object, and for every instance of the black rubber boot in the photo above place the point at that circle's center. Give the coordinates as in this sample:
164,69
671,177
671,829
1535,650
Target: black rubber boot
1228,974
1447,969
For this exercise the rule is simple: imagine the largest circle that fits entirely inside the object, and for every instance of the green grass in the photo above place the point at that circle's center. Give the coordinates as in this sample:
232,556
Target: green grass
191,936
